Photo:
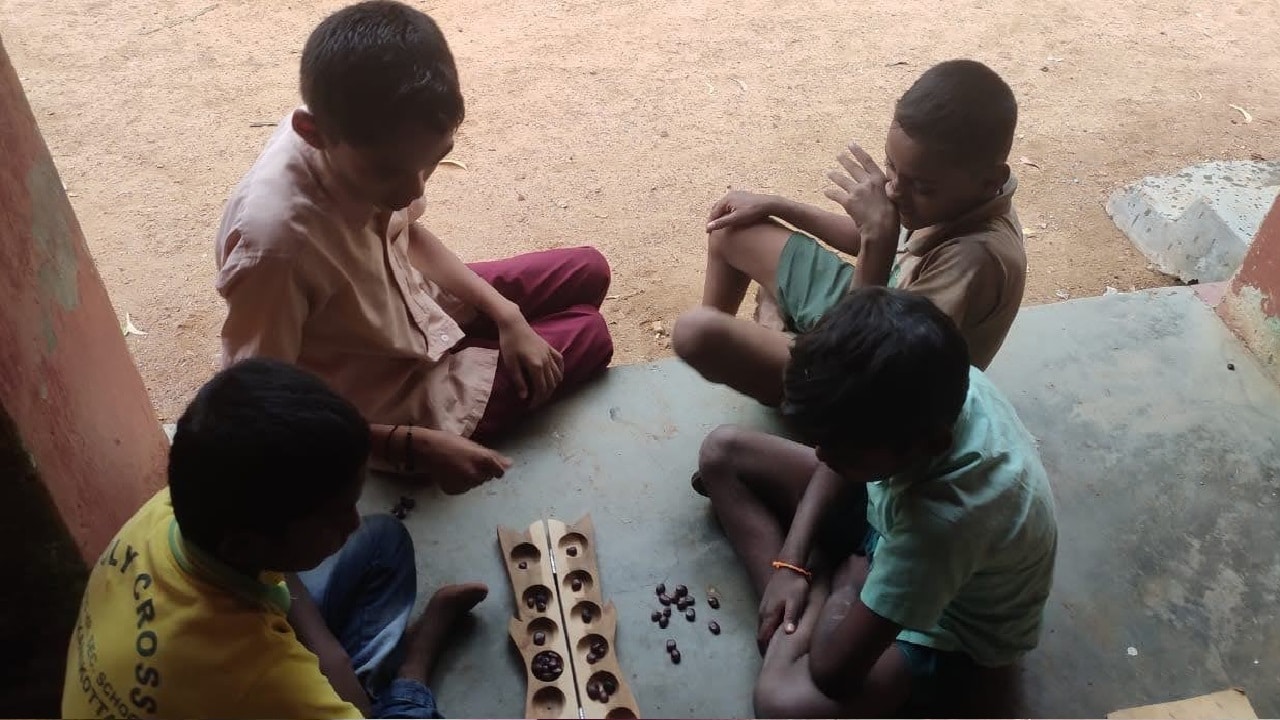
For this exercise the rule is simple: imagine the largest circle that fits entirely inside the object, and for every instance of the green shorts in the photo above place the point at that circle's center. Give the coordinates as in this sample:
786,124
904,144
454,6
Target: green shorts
811,280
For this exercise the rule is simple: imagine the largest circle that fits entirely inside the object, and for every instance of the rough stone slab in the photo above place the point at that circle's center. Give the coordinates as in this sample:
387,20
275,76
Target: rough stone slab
1198,224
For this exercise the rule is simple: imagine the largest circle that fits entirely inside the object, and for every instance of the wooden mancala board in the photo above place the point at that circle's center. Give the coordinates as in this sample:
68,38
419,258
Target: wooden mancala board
563,628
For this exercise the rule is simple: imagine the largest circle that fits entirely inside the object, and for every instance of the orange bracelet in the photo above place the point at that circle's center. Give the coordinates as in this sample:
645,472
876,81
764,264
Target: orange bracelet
779,564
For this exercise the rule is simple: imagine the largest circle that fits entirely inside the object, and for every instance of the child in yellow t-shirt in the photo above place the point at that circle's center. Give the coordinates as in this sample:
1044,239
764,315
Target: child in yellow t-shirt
250,586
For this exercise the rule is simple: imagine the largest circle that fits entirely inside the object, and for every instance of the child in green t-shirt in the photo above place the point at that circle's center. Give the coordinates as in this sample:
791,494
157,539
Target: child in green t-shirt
947,585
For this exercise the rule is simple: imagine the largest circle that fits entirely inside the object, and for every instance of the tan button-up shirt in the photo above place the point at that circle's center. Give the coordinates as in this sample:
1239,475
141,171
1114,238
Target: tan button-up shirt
314,278
974,269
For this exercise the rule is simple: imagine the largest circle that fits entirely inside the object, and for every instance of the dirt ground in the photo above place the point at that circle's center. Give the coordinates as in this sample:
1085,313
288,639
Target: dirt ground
619,123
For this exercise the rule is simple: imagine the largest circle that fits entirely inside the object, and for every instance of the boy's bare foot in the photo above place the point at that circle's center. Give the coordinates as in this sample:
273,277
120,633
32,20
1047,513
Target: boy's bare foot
426,637
696,482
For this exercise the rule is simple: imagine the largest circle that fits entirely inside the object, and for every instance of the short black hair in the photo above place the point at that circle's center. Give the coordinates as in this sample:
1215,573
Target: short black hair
961,108
263,443
882,368
375,68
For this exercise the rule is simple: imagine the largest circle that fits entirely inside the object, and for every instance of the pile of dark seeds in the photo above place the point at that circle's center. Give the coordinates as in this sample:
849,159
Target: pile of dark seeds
600,690
547,665
403,507
683,602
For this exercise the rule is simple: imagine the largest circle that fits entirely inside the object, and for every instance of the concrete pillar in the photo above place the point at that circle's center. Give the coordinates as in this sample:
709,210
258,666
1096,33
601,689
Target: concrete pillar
1251,306
80,446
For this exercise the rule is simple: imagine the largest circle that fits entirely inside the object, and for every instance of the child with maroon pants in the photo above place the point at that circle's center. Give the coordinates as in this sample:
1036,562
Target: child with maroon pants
323,263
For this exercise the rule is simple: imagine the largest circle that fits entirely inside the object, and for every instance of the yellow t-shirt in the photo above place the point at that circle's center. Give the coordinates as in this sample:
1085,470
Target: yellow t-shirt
166,631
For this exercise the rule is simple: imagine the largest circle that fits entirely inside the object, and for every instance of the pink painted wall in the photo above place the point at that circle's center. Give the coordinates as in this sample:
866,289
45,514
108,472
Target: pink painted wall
1251,305
67,381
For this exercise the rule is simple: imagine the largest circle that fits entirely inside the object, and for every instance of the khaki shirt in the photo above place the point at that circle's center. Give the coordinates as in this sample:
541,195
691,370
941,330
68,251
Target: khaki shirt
317,279
973,268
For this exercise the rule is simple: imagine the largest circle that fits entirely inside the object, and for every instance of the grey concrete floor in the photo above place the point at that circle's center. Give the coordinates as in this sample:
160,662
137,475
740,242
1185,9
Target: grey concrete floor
1166,469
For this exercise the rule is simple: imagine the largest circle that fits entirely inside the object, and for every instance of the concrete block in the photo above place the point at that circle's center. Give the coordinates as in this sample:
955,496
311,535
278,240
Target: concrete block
1197,225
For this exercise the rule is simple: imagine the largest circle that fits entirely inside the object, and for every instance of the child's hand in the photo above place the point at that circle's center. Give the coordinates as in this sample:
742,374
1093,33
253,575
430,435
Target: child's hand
739,208
782,605
534,366
789,647
860,190
458,464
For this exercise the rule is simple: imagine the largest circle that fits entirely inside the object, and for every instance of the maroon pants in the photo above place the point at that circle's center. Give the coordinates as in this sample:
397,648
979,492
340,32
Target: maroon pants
559,292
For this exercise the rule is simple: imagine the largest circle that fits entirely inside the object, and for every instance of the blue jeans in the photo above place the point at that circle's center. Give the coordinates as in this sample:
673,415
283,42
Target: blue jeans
365,592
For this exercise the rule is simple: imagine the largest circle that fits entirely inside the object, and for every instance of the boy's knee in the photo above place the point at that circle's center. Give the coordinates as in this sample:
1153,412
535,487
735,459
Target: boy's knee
692,336
718,241
387,534
771,696
599,343
719,449
593,271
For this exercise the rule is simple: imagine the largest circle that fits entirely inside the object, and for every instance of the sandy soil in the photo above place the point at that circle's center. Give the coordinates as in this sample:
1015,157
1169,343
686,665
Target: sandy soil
619,123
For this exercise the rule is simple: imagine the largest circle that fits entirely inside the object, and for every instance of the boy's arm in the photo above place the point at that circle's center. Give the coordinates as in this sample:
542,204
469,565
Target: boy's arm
440,264
739,209
835,229
310,627
918,570
266,309
847,643
822,491
534,366
784,598
456,463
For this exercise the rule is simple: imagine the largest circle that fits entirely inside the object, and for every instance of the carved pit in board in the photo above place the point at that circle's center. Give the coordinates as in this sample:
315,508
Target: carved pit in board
533,593
548,702
574,544
552,674
601,688
550,630
584,579
526,552
578,611
586,642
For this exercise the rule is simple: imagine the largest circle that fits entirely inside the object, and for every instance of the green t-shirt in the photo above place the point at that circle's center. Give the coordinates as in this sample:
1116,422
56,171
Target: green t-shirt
965,558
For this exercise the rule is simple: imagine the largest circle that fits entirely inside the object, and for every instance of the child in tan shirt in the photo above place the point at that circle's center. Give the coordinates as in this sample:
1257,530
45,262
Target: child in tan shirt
946,185
323,262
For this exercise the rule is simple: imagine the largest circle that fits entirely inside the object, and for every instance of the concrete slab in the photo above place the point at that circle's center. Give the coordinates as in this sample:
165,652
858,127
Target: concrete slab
1165,467
1197,224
